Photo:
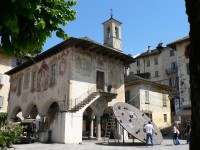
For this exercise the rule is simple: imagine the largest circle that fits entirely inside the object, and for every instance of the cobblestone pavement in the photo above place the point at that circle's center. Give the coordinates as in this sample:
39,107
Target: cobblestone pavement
98,145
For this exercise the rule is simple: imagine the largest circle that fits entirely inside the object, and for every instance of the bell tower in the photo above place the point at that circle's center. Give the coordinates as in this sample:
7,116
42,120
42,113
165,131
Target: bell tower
112,33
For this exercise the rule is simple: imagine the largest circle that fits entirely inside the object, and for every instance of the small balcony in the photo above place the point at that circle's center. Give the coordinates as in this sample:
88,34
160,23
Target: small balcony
171,70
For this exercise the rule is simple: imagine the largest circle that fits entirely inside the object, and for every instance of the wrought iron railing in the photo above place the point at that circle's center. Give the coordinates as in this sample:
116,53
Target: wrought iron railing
171,70
72,103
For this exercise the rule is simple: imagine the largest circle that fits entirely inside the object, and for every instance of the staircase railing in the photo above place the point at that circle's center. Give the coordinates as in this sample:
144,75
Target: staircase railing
71,103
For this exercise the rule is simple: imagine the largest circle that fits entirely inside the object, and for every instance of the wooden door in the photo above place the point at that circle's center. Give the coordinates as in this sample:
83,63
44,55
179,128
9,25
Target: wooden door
100,80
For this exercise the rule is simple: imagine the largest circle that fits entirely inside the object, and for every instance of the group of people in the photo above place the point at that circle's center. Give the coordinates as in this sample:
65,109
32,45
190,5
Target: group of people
149,129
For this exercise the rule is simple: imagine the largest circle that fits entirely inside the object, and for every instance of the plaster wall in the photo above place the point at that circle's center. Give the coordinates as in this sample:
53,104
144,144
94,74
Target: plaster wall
155,105
164,62
184,78
5,65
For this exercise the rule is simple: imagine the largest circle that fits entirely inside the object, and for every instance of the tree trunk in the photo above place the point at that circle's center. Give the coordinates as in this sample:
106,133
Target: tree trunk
193,12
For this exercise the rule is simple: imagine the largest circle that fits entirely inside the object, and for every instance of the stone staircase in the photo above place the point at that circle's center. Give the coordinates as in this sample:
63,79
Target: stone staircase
84,102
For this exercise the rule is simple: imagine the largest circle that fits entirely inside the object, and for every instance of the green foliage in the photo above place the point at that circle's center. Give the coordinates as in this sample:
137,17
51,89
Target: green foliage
9,133
3,117
26,24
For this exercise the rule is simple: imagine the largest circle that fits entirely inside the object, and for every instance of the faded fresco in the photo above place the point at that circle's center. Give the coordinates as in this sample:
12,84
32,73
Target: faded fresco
26,79
114,74
62,66
43,77
14,80
83,63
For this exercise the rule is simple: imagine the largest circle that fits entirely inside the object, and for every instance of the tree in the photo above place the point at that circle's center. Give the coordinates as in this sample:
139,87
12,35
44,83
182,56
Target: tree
9,134
26,24
193,12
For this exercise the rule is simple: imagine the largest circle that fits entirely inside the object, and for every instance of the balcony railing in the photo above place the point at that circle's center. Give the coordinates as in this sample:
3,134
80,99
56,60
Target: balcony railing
171,70
67,105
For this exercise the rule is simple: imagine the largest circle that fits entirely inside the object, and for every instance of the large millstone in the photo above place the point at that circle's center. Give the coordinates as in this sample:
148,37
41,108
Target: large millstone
133,121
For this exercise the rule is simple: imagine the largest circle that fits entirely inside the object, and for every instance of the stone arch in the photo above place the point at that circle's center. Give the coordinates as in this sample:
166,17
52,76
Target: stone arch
51,114
15,111
46,106
28,109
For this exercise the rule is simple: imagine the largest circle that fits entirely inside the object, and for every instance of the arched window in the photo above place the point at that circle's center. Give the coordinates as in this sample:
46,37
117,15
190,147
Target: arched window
117,32
108,32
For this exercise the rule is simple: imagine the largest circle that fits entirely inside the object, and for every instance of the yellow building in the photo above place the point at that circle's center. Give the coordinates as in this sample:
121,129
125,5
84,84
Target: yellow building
150,97
6,63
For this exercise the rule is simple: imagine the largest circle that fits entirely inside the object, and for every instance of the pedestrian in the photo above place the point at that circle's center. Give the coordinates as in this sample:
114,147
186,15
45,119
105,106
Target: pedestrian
149,129
175,134
188,131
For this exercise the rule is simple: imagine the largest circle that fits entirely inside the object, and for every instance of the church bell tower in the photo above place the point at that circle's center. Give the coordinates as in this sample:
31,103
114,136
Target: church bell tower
112,33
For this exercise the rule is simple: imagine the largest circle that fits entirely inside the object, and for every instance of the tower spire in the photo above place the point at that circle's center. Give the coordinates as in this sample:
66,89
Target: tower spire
111,13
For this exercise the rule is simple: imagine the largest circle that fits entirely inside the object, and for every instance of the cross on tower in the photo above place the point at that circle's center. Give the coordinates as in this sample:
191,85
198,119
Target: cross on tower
111,13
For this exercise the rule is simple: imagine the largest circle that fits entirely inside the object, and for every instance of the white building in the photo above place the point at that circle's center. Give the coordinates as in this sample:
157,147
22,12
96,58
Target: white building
182,47
159,65
71,87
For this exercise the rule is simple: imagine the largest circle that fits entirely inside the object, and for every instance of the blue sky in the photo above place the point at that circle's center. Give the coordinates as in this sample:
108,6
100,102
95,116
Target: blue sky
144,22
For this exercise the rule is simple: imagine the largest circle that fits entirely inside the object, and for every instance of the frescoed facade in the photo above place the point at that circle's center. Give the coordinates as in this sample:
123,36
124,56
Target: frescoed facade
70,88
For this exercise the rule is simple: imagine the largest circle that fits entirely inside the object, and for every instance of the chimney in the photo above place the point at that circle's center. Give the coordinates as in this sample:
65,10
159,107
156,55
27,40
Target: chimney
159,47
149,49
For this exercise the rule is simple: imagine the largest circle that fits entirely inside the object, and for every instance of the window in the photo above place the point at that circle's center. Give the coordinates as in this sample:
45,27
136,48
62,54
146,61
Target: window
1,101
146,97
108,32
173,66
33,81
155,61
127,96
138,71
187,68
164,100
171,53
156,74
138,62
148,62
117,32
53,74
26,80
165,117
173,82
19,86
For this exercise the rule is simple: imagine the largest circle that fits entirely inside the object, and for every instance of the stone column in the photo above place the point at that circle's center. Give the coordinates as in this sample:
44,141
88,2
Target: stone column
41,123
91,128
98,127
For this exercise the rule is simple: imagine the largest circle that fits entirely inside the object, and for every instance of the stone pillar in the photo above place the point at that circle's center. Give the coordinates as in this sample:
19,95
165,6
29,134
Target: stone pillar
41,123
98,127
91,128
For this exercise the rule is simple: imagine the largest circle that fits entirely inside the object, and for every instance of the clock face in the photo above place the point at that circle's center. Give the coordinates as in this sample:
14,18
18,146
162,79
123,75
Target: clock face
133,121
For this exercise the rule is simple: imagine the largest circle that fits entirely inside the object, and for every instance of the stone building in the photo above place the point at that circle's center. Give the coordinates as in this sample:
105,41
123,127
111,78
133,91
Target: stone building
150,97
6,63
159,65
71,87
182,47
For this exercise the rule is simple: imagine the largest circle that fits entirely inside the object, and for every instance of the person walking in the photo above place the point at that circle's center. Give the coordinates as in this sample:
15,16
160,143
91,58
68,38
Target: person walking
175,134
188,131
149,129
